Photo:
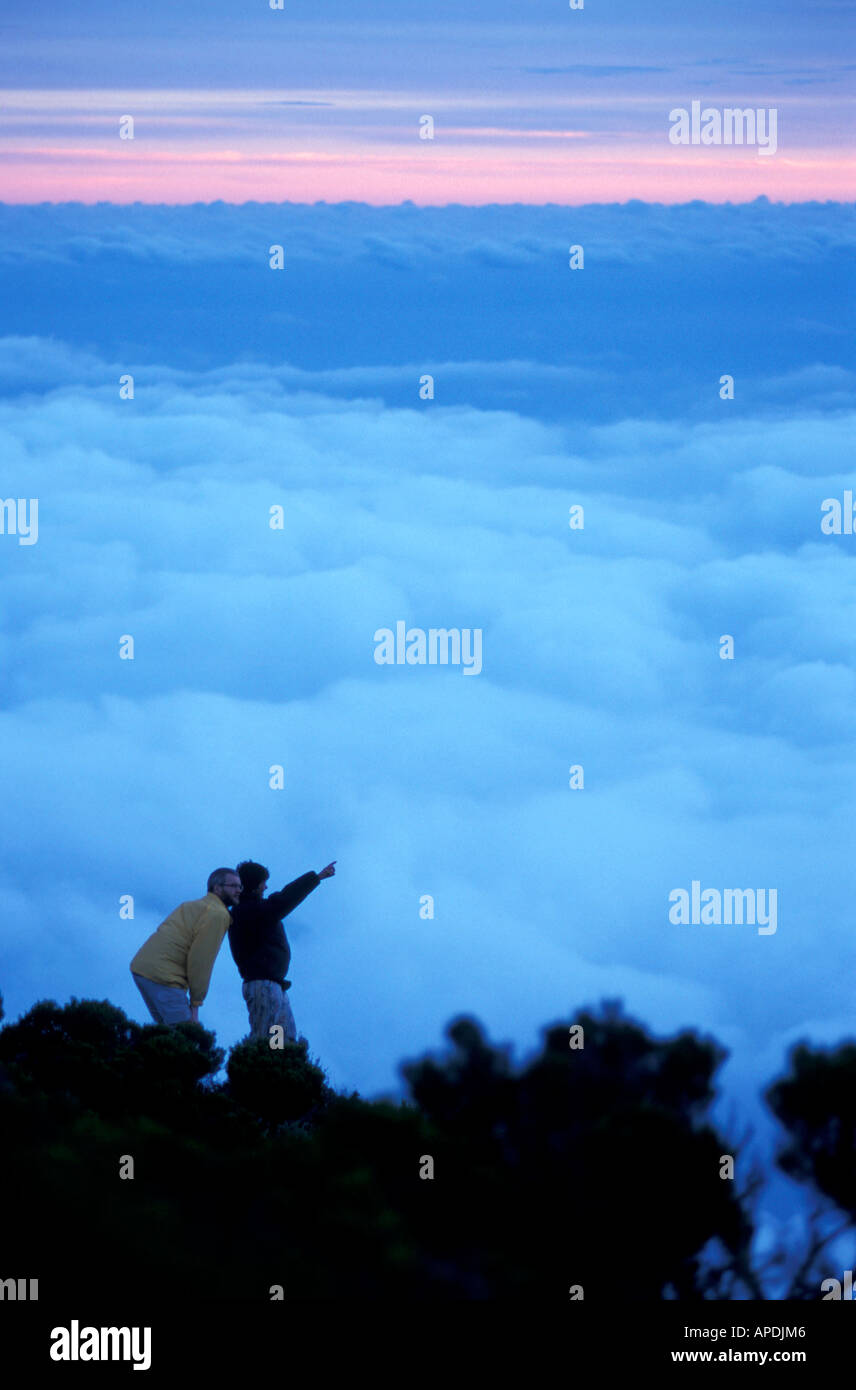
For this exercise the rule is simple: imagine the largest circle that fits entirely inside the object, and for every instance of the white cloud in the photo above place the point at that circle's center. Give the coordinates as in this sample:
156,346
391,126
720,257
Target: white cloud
255,647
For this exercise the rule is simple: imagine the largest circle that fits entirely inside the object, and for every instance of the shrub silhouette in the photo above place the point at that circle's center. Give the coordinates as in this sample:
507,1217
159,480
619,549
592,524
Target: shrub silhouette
91,1052
815,1102
598,1167
602,1150
279,1085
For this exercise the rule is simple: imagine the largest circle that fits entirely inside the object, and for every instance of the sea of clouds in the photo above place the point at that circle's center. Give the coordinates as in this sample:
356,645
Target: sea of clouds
255,647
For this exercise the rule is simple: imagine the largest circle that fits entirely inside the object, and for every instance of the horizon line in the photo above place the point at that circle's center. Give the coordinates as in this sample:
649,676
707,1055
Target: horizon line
410,202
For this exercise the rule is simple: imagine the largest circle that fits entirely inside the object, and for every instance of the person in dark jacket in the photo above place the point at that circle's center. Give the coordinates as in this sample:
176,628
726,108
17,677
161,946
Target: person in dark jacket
260,946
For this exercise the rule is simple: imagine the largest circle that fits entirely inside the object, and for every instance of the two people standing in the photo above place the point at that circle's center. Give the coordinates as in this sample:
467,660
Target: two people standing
172,969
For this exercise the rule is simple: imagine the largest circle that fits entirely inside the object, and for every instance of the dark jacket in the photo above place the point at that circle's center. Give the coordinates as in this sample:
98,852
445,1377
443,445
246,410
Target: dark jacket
257,937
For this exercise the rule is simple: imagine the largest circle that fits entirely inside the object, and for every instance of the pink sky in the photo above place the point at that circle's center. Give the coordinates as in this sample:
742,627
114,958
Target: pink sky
272,146
93,175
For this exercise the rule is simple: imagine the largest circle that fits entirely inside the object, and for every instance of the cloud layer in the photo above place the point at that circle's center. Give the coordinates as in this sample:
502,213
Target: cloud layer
254,646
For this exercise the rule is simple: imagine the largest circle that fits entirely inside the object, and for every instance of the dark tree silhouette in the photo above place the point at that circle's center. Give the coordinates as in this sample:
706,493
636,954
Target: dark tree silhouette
816,1103
596,1167
603,1151
277,1084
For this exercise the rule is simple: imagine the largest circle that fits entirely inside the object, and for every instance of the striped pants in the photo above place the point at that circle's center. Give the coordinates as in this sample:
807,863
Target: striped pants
268,1006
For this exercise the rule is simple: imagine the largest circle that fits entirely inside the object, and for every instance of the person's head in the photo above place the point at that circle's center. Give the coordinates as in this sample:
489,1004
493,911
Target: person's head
253,878
225,885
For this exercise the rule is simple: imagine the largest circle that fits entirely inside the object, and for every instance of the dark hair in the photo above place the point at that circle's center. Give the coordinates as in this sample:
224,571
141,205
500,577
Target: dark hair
218,878
252,874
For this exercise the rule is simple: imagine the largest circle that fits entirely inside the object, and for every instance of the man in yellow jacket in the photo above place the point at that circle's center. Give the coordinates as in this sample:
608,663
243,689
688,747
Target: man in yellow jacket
180,955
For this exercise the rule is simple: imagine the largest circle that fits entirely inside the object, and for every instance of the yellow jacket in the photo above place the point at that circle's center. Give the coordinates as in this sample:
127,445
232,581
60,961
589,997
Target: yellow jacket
184,948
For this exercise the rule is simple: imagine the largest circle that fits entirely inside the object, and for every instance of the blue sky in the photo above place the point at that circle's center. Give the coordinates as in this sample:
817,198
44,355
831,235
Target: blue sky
219,43
532,103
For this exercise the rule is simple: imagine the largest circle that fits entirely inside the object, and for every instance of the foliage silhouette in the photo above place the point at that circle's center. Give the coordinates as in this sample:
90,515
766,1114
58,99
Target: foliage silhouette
277,1084
597,1167
816,1104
